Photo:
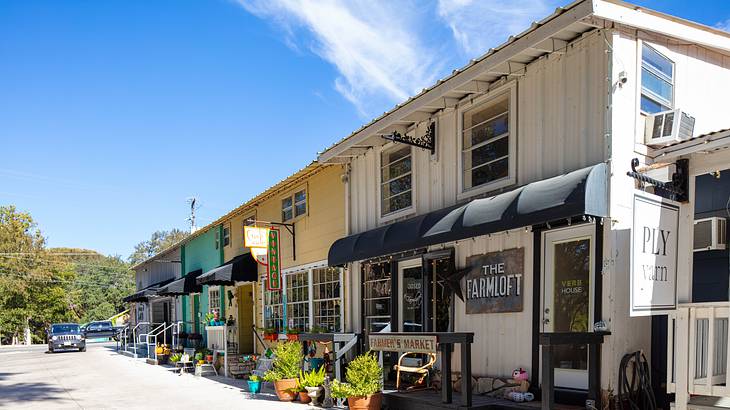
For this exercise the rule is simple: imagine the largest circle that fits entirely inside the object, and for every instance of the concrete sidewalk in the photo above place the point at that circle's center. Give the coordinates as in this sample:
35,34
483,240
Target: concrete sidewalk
101,378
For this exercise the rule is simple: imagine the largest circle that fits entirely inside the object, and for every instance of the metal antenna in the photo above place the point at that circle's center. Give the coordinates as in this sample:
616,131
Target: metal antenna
192,201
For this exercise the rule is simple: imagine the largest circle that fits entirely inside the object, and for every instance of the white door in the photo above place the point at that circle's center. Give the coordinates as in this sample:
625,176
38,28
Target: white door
410,296
568,278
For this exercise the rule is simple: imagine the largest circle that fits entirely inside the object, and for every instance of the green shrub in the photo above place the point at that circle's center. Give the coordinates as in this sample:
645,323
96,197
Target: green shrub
313,378
363,375
287,362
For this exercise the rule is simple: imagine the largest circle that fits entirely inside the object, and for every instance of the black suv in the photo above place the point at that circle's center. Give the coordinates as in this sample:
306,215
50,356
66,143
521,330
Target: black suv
65,336
100,329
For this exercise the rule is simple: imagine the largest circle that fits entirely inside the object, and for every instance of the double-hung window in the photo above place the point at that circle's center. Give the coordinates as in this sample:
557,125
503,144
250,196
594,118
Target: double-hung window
297,300
227,234
486,139
214,298
657,81
396,180
294,205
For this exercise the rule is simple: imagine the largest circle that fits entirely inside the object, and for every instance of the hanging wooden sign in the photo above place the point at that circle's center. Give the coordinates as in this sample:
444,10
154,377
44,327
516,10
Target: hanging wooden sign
274,268
495,283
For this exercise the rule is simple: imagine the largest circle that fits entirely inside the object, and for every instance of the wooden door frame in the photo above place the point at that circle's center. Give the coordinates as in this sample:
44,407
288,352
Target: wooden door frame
537,232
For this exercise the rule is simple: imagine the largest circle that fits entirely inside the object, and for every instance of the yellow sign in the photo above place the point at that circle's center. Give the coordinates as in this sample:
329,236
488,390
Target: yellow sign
255,237
261,255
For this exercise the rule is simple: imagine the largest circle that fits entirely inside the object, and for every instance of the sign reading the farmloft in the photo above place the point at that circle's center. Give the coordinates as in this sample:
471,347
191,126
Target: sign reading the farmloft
399,343
274,271
495,282
654,240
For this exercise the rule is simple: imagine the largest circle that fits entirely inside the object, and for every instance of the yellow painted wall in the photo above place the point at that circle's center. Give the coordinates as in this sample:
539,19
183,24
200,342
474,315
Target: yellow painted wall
323,223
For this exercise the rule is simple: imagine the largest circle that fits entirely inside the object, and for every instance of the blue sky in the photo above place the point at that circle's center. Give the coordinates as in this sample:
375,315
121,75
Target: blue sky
113,113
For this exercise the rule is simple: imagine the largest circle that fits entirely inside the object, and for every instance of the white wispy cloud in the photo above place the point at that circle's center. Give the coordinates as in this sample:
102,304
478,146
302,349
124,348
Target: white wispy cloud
375,47
723,25
478,25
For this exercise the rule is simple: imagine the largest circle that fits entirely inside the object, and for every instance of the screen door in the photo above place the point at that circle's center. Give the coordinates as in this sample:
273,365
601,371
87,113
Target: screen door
410,292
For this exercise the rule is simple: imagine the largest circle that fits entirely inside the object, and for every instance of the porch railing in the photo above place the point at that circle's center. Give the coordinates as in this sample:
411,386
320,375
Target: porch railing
697,351
342,344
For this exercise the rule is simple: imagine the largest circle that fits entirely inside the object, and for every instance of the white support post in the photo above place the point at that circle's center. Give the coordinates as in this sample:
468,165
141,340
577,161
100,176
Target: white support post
710,367
681,359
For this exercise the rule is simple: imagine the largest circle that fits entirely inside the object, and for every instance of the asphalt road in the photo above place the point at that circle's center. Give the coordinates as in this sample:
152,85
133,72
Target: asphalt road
31,378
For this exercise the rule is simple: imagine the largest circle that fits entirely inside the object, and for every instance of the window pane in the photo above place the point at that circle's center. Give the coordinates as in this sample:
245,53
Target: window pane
286,214
396,180
651,57
300,196
286,203
481,114
489,152
300,209
491,172
486,131
658,86
650,106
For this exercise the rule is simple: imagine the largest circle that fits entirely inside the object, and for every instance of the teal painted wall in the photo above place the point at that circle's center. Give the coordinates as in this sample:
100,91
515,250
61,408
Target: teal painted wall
201,253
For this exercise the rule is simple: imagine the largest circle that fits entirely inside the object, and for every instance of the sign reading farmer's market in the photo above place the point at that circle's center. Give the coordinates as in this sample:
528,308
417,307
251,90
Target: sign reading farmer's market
495,282
402,343
654,245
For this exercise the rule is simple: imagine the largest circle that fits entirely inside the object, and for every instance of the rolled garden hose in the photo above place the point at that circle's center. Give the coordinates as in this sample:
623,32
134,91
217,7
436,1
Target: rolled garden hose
634,383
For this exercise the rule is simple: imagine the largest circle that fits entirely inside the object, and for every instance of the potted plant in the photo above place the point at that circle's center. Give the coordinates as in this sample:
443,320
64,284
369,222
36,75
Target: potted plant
284,372
270,334
311,382
175,358
364,383
292,334
208,355
254,384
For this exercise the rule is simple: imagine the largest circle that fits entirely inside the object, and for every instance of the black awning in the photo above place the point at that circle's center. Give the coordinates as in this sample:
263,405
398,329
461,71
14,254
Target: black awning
183,286
581,192
144,294
242,268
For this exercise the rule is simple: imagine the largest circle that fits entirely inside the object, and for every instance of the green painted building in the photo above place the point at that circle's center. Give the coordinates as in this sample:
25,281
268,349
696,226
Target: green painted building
204,251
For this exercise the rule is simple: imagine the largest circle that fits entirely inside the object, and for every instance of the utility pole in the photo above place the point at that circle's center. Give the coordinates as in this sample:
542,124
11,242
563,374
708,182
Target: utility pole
191,218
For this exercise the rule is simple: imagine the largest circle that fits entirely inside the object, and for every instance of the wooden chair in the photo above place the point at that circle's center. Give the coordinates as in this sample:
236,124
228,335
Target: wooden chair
422,370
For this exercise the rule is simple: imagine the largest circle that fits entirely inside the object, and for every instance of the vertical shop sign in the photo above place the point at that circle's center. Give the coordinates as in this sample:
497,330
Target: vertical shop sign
274,270
654,246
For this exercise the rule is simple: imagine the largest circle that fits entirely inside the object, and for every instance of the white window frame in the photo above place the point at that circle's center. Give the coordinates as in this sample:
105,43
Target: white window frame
401,212
217,291
226,237
309,268
285,288
292,197
640,66
509,89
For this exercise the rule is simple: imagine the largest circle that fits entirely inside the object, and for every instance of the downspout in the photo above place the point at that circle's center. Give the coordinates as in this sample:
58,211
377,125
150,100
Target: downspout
346,322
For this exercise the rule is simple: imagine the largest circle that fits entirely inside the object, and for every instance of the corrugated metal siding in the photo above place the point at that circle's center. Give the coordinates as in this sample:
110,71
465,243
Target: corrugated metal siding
154,272
561,121
503,341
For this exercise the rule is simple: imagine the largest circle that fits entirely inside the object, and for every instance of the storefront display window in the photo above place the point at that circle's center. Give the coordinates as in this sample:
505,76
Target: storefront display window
327,299
376,296
297,301
273,310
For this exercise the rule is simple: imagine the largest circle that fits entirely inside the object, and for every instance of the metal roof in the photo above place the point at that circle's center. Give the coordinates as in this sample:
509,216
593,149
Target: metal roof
551,34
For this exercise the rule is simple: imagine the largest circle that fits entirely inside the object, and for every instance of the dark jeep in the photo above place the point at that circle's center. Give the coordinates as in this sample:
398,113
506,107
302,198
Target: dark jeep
65,336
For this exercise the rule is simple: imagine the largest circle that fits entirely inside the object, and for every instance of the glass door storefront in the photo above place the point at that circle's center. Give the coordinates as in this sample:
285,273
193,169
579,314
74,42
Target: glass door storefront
377,285
568,274
410,295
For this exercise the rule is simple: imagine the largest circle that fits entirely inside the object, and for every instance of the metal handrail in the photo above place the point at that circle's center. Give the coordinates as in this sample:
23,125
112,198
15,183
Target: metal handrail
134,336
151,346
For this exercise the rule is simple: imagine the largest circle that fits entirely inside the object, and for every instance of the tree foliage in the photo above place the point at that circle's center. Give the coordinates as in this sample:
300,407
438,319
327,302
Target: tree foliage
40,286
158,242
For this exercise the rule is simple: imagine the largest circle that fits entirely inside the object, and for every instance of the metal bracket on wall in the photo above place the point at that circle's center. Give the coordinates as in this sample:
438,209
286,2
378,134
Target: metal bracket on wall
289,227
427,141
677,189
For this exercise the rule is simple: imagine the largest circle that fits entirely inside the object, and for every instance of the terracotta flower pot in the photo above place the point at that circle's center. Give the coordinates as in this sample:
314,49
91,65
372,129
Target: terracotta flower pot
371,402
304,397
285,389
290,336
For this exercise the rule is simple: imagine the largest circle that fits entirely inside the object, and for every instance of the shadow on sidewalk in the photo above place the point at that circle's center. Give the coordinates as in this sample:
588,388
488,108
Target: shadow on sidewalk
12,394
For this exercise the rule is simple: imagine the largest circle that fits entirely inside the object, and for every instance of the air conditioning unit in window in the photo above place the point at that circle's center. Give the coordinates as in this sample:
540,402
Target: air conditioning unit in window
710,234
668,127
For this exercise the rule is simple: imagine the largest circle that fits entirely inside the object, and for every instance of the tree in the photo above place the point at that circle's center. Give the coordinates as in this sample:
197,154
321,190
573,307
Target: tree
34,288
159,241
